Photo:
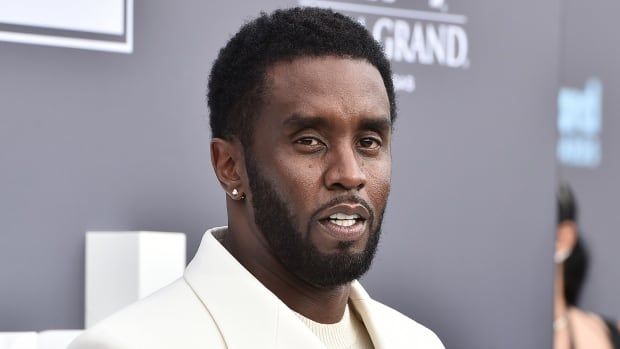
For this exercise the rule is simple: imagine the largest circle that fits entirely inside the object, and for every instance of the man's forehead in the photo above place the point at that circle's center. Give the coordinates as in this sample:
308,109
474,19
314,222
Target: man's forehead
327,81
322,69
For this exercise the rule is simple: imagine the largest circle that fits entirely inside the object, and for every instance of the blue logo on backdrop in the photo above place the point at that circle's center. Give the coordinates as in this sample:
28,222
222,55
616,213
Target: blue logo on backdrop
579,125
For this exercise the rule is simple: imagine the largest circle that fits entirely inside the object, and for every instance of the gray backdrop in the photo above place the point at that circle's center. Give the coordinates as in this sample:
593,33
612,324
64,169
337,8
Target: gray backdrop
94,140
591,49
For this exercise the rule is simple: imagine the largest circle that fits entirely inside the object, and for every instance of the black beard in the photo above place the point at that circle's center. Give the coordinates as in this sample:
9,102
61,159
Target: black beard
295,250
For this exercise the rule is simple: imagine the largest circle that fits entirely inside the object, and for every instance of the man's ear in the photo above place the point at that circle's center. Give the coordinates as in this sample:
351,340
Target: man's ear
228,163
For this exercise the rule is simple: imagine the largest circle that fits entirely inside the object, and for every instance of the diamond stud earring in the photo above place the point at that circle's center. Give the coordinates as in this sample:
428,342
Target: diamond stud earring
236,196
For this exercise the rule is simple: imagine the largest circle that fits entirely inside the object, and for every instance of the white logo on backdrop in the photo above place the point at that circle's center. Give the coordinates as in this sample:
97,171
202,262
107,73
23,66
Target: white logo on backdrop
580,122
410,37
85,24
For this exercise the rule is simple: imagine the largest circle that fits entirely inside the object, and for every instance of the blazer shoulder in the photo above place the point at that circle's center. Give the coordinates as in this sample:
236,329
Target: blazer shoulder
406,328
173,317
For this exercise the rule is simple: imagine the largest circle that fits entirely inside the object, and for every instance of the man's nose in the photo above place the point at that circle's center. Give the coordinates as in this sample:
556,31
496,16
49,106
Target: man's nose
345,170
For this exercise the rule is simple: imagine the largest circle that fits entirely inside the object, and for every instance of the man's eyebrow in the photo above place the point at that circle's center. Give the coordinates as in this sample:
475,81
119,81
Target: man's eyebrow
380,124
300,121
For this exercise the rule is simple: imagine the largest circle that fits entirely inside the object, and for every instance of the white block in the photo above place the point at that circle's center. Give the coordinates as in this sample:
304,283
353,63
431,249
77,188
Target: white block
18,340
57,339
93,16
123,267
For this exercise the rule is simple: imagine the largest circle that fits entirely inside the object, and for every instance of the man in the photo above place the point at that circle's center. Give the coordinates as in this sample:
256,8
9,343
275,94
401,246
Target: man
302,107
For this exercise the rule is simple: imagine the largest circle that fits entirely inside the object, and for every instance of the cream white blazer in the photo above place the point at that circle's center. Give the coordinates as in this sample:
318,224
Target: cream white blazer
219,304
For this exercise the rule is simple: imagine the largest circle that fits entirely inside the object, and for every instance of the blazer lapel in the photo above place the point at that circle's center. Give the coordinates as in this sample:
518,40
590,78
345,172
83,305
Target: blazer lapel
376,326
247,314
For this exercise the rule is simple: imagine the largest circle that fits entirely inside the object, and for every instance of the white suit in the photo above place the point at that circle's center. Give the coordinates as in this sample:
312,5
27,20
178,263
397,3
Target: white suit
219,304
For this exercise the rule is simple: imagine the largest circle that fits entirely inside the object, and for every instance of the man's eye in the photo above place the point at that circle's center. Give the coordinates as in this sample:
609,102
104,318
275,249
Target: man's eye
369,143
311,142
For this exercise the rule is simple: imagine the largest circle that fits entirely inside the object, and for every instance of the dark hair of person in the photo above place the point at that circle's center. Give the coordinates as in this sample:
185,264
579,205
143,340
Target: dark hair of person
567,204
576,265
575,272
237,83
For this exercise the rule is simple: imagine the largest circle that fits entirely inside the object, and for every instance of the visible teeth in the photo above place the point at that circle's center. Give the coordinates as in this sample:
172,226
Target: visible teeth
343,222
344,216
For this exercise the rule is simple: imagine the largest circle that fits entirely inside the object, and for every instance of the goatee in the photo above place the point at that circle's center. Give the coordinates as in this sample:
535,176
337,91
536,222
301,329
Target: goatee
295,250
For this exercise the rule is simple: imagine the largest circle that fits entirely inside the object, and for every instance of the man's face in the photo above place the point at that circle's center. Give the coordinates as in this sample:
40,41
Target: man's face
319,166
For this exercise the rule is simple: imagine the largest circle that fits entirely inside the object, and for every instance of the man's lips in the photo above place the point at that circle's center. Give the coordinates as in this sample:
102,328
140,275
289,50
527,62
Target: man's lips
345,221
347,209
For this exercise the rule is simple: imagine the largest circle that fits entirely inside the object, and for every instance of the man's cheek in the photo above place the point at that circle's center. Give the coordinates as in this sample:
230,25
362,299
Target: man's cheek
379,178
379,191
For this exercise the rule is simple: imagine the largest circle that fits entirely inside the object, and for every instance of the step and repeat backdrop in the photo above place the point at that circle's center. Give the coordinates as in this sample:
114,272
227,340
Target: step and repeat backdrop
588,147
104,127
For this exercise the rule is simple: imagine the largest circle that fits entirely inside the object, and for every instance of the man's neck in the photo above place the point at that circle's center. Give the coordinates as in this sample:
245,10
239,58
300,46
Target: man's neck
248,246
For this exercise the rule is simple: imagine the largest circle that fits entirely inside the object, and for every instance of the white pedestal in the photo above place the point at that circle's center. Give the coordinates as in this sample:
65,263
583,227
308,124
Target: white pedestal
123,267
18,340
57,339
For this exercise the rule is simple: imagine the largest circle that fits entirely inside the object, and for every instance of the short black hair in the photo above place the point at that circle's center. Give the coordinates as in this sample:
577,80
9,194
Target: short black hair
237,79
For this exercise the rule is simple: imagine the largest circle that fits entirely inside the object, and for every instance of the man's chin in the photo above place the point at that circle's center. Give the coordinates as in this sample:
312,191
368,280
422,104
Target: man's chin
332,284
341,250
329,270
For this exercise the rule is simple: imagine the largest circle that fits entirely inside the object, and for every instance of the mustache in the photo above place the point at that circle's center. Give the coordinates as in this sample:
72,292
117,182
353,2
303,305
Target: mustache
349,199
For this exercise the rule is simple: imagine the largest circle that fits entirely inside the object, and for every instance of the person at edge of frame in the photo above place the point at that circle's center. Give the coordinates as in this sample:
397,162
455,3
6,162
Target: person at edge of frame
573,327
